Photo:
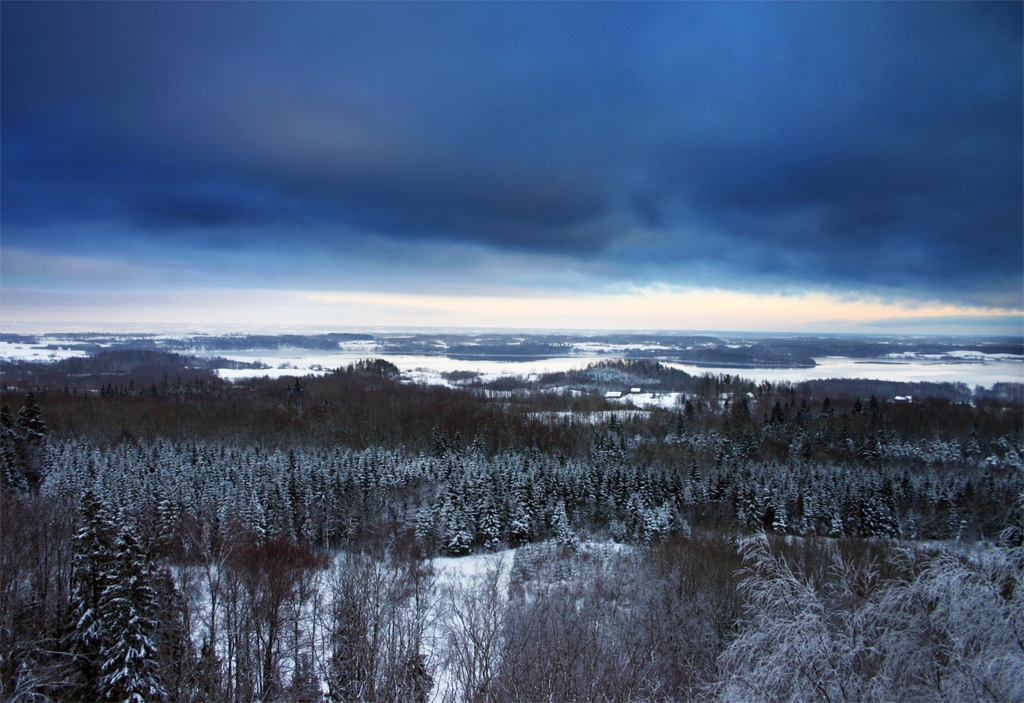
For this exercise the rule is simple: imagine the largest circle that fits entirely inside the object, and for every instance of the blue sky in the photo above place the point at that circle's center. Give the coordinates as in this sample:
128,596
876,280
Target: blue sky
829,166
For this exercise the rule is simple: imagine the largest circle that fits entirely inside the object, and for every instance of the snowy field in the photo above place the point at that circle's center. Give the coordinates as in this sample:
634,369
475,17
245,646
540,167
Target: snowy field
30,352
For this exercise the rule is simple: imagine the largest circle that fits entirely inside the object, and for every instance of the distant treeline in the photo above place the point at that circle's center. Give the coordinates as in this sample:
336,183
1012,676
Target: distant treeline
367,405
245,342
248,342
508,352
253,342
138,370
754,356
652,376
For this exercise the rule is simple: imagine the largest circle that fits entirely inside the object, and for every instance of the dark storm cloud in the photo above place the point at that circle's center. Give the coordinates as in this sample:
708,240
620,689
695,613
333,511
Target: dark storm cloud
854,145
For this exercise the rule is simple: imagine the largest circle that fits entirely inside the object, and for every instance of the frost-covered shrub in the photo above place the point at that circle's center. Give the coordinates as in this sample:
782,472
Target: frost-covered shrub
656,522
799,642
956,632
950,628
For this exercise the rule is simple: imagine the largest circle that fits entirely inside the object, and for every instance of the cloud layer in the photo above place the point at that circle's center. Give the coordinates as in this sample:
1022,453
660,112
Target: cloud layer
856,148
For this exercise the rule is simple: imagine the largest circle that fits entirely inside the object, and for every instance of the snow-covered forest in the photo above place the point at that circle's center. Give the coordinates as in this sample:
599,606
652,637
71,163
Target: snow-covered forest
354,538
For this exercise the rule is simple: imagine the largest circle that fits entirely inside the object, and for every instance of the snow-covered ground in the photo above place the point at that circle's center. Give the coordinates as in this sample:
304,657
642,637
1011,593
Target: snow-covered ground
652,400
455,575
968,355
463,570
611,349
34,352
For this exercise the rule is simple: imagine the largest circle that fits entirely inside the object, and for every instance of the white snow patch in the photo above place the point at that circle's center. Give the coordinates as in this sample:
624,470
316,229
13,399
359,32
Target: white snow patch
655,400
38,352
605,349
463,570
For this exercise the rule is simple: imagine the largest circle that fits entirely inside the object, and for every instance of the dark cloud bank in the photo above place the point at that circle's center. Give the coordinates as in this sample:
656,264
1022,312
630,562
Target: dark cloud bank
857,146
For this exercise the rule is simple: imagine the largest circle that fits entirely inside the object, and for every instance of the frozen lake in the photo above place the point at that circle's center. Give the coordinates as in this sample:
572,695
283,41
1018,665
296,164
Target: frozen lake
969,367
973,373
979,371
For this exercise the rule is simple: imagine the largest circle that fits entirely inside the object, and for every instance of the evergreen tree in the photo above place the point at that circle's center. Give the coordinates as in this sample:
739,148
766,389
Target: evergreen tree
92,573
177,656
780,518
31,431
129,671
425,531
490,525
520,524
438,442
6,418
835,525
11,453
456,538
564,534
30,420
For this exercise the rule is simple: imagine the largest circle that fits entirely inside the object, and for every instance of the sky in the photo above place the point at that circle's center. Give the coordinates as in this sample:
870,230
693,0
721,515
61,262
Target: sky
771,166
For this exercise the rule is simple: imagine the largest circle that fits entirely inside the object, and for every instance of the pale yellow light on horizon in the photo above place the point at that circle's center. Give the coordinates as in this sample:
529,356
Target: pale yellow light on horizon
653,308
659,308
